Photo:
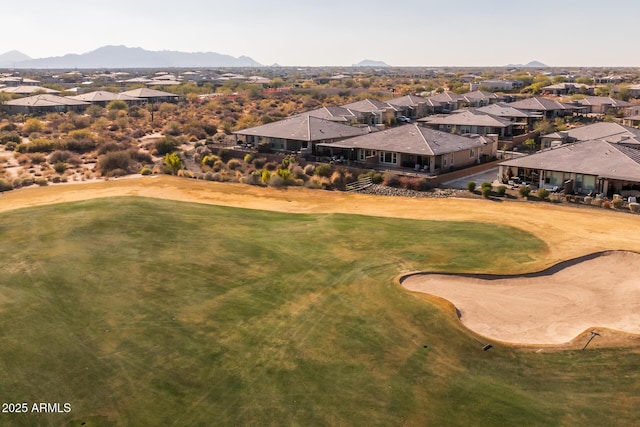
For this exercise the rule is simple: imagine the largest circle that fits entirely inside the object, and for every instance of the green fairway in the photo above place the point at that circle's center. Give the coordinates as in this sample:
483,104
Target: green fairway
147,312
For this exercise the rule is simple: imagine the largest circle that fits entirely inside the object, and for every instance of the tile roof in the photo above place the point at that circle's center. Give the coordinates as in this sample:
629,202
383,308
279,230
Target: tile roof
27,90
103,96
467,118
502,109
447,97
304,128
602,130
369,106
408,101
45,100
603,100
592,157
538,103
412,139
149,93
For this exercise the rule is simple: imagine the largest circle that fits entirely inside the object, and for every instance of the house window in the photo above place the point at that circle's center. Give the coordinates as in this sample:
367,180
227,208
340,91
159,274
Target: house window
387,157
472,154
451,159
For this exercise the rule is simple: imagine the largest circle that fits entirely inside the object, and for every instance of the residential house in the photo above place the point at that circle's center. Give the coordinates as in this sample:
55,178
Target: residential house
521,120
152,95
595,166
449,101
341,114
497,85
549,108
415,147
44,104
102,98
417,107
300,133
603,104
28,90
633,121
381,112
567,88
481,98
608,131
470,121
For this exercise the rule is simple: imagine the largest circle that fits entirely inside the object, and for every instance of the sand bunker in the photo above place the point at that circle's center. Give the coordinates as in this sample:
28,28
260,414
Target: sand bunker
550,307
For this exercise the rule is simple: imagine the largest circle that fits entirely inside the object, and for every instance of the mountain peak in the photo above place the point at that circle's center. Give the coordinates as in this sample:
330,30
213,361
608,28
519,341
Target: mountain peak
112,56
371,63
9,59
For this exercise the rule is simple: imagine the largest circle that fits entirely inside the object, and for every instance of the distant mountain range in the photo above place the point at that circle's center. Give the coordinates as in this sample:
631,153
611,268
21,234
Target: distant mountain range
370,63
532,64
127,57
9,59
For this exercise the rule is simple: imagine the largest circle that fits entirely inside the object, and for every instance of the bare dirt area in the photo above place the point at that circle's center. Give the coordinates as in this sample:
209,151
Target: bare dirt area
568,232
552,307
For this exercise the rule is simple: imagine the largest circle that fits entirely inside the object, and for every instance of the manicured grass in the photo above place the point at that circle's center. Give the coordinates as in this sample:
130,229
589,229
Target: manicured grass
149,312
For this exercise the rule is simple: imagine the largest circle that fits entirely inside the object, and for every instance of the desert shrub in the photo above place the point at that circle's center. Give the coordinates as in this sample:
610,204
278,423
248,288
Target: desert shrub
391,180
145,171
10,137
5,185
110,146
224,155
324,170
140,156
37,158
60,156
606,204
338,180
298,173
117,105
234,164
248,158
173,163
218,165
485,184
209,160
32,125
471,186
172,129
37,145
422,184
486,192
10,146
8,127
60,167
542,193
112,161
277,181
208,176
41,181
524,191
209,128
166,145
259,162
634,207
588,200
271,166
283,173
617,203
309,169
265,176
183,173
80,122
95,111
502,190
26,181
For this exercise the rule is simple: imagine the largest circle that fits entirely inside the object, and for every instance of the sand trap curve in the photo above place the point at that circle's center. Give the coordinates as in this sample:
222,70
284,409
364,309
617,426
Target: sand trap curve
550,307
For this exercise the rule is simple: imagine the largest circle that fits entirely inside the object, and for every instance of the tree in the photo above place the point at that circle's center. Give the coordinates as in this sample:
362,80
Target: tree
173,163
544,127
530,143
117,104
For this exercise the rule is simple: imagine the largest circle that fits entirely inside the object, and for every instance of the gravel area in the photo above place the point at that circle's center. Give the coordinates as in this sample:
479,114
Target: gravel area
439,193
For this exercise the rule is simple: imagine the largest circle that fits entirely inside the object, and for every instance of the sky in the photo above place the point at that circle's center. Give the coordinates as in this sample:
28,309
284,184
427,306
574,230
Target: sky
337,32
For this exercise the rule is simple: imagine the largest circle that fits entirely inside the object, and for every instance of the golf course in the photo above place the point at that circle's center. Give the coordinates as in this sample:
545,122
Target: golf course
161,301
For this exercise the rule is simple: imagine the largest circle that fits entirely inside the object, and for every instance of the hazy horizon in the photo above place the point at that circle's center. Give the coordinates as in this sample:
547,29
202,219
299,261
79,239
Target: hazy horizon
289,33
